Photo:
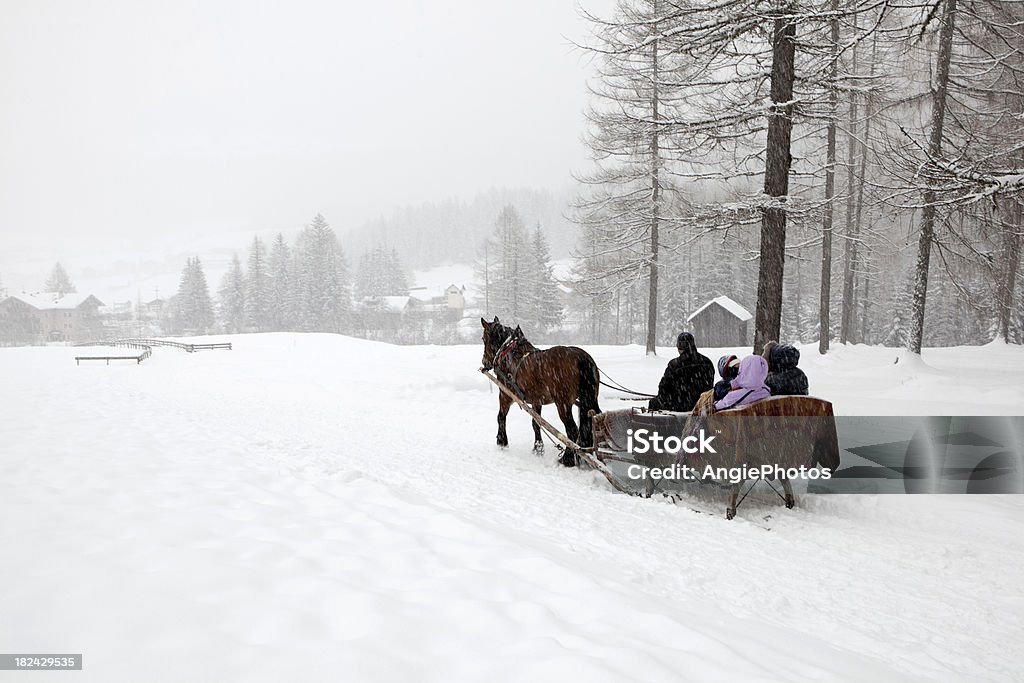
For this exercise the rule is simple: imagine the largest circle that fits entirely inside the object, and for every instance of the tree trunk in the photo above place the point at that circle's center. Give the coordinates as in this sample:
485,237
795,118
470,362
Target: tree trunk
1011,251
776,181
924,244
850,244
824,318
652,294
855,251
864,311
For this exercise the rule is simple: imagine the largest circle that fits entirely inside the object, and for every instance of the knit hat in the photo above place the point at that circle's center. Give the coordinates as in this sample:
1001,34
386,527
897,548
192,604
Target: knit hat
728,363
684,340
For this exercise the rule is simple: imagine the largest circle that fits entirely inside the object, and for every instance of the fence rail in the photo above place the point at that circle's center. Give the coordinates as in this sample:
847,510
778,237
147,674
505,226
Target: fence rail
147,348
188,347
138,358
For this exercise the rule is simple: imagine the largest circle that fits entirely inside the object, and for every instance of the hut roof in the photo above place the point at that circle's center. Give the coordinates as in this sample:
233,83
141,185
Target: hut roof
728,304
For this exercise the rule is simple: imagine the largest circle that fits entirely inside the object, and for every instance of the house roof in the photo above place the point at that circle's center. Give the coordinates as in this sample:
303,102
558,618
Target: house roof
395,303
728,304
384,303
429,294
54,300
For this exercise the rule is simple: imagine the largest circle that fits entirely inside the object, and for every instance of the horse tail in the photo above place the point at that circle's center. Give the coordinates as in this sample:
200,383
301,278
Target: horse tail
590,380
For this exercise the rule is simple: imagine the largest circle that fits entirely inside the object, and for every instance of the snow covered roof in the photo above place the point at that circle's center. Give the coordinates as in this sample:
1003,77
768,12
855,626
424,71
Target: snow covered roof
395,303
726,303
428,294
386,303
54,300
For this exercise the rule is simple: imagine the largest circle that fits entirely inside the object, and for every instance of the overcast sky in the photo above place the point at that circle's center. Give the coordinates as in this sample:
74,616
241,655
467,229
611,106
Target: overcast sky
123,121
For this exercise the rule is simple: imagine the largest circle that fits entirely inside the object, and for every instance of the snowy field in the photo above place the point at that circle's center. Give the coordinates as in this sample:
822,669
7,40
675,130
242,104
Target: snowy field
313,507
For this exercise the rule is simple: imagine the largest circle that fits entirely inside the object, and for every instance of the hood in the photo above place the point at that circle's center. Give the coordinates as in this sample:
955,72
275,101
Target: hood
749,384
753,372
784,357
686,346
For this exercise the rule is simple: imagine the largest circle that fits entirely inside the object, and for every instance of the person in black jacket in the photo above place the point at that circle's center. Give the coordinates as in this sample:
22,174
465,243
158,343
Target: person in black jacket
784,377
686,378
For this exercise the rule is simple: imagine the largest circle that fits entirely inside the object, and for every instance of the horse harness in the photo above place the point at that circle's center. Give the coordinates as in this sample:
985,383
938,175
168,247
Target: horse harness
503,354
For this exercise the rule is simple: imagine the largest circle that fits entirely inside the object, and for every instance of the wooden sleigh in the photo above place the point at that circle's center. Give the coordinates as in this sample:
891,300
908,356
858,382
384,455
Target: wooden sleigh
784,431
781,433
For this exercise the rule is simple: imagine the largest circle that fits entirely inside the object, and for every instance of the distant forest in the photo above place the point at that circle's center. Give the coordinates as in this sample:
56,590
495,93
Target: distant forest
452,230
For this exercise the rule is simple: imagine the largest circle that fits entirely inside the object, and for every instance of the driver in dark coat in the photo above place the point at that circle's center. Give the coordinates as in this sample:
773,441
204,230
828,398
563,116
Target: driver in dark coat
687,376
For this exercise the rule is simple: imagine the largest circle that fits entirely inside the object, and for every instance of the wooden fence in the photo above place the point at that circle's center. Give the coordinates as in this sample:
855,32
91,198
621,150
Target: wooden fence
146,345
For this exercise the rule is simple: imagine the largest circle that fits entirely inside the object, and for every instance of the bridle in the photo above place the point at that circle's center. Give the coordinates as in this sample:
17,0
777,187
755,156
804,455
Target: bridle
507,346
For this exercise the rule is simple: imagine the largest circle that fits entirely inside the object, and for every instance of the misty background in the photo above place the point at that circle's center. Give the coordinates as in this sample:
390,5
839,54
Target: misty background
596,171
137,133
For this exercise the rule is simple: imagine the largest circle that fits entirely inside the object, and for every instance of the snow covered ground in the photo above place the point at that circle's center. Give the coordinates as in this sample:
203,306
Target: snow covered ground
314,507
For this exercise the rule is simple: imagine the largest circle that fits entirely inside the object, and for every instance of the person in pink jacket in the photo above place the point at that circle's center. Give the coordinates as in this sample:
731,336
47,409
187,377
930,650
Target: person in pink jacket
749,384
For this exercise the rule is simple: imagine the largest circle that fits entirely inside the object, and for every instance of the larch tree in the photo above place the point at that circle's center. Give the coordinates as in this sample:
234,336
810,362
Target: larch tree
624,206
502,267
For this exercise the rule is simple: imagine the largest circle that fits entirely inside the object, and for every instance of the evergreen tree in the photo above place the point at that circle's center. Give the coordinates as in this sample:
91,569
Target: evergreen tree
282,307
193,311
232,298
396,282
380,274
542,309
59,281
322,279
258,288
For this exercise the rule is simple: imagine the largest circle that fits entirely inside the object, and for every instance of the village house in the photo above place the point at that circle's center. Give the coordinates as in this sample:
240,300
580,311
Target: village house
36,318
447,303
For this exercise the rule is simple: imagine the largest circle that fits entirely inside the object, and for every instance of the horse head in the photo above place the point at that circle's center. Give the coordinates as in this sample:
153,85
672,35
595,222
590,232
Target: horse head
495,335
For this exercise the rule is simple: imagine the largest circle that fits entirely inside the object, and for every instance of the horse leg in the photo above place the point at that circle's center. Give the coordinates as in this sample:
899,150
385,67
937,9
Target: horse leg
569,458
538,444
788,488
504,403
730,511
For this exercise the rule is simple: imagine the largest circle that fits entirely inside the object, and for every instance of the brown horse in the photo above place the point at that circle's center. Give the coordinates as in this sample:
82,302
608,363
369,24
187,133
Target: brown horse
563,375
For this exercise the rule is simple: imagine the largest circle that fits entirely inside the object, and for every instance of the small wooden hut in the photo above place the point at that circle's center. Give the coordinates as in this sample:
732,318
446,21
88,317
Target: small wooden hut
720,322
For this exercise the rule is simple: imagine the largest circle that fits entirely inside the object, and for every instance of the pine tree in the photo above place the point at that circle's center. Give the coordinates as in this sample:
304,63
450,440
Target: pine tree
542,309
281,300
322,279
396,283
257,288
380,274
192,312
232,298
59,282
